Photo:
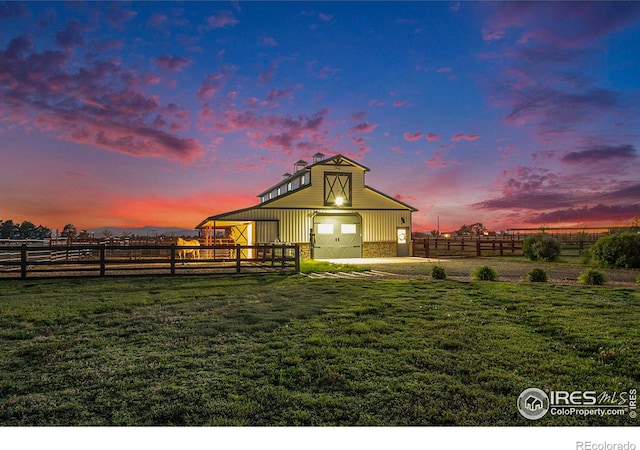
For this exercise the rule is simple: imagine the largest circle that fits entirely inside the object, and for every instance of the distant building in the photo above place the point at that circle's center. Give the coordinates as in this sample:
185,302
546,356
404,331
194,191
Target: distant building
326,208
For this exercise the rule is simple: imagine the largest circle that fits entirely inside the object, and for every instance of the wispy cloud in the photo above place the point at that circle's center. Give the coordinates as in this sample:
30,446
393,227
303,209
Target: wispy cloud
601,153
222,19
412,136
432,137
172,63
464,137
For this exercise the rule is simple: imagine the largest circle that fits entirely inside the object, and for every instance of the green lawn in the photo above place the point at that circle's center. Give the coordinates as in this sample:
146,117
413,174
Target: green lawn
289,350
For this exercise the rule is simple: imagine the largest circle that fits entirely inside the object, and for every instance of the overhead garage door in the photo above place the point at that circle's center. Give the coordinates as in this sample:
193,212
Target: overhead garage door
337,236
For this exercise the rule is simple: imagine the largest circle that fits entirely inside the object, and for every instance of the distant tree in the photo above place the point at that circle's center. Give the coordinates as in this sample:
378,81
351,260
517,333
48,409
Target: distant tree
8,230
107,234
69,231
27,230
464,229
476,229
42,232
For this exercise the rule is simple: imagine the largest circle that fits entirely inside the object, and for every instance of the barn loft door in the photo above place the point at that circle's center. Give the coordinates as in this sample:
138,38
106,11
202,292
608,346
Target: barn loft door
337,236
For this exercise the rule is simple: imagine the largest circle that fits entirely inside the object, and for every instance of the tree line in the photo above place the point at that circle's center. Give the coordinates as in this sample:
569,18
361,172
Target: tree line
25,230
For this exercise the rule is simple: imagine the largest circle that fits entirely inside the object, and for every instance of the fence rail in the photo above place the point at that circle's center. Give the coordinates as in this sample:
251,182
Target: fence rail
25,260
434,247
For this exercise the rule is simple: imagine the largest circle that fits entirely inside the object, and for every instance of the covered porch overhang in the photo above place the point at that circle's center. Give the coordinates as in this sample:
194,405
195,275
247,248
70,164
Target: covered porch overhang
227,232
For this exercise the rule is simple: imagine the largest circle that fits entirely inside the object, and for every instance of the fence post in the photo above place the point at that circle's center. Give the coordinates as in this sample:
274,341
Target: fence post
297,256
284,255
502,249
23,261
478,250
172,258
102,260
237,258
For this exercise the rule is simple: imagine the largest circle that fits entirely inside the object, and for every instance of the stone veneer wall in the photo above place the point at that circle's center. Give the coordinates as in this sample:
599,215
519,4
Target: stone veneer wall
305,251
379,249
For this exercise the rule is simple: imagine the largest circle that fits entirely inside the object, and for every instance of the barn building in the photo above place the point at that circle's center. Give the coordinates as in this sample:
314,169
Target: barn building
324,207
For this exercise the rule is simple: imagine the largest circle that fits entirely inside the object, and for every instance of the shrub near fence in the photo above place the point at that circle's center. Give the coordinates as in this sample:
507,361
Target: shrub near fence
469,247
138,259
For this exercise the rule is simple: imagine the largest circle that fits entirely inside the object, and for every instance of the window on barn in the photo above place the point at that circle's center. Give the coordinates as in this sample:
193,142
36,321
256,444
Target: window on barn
325,228
337,189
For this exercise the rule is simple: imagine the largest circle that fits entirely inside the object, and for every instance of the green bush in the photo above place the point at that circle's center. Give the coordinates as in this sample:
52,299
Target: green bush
618,250
485,273
592,276
541,246
537,276
638,280
438,273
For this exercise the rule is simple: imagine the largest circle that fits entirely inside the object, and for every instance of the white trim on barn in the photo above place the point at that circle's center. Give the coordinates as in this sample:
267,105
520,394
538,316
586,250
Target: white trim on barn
329,194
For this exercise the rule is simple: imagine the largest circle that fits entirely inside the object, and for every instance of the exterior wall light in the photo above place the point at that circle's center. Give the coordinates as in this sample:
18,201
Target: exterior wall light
339,201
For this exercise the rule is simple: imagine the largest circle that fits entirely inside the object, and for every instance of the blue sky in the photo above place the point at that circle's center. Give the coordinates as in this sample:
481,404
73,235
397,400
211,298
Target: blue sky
512,114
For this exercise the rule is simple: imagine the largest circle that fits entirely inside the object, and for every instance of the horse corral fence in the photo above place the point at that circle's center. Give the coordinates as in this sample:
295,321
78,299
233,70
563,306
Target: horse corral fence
105,259
431,247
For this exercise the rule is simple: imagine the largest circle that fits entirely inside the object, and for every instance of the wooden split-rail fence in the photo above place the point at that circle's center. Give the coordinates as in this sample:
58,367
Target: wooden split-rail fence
102,259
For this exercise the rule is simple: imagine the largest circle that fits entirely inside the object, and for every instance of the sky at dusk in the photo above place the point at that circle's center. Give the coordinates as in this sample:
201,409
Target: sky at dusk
126,114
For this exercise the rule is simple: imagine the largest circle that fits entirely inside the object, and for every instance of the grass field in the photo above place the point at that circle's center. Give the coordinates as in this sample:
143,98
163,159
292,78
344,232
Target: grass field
289,350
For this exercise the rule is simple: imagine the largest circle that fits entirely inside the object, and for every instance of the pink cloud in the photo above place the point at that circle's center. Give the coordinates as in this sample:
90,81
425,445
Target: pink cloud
276,94
464,137
222,19
412,136
364,127
322,72
158,20
117,16
100,104
210,86
267,75
432,137
267,41
71,35
172,63
281,133
358,116
546,21
437,161
398,103
602,154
